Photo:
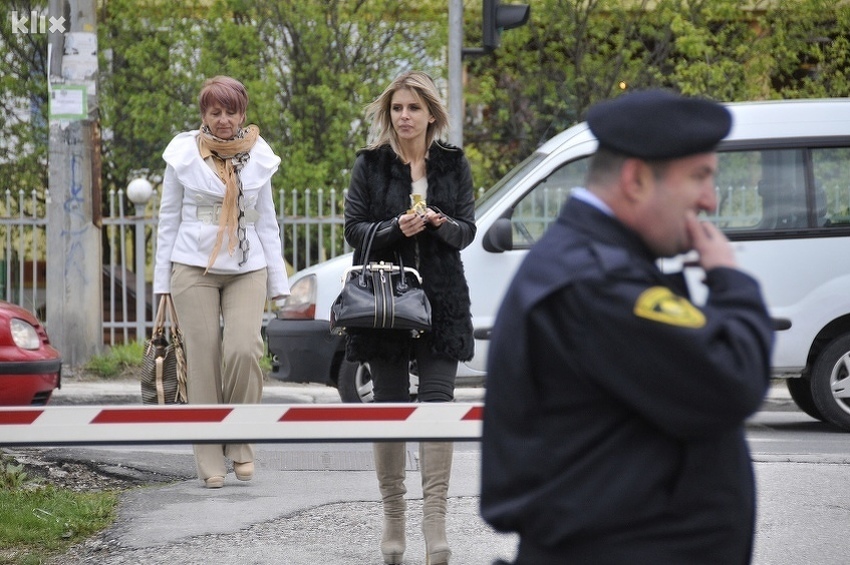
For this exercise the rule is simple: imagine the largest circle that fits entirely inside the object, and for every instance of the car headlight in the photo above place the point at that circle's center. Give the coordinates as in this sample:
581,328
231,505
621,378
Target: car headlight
24,334
301,302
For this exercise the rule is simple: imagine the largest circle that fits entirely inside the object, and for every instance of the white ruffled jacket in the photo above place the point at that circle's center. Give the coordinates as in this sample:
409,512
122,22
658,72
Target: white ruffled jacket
186,236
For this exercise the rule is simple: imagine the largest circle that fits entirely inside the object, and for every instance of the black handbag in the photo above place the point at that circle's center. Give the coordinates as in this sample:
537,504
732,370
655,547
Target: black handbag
381,295
164,363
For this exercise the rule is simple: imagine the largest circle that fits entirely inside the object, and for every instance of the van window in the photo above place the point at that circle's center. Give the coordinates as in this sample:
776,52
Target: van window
538,208
782,189
504,185
760,193
832,186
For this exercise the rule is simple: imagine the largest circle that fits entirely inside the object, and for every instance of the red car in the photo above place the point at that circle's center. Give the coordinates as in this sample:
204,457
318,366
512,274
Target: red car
30,369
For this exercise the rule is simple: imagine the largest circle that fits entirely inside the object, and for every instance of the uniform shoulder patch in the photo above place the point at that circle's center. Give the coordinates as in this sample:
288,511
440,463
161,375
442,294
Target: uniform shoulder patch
661,305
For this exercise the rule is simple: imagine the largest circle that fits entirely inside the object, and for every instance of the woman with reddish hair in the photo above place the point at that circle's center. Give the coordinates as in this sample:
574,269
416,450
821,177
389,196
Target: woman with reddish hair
219,256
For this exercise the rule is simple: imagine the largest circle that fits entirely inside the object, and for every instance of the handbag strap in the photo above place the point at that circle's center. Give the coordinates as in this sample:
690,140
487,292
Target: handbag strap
166,310
370,236
172,312
402,279
159,322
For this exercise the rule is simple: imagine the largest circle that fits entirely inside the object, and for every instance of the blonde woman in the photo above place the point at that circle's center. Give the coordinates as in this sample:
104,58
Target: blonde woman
405,157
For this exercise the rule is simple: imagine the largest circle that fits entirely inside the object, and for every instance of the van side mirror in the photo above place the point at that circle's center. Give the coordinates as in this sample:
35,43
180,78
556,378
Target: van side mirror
500,236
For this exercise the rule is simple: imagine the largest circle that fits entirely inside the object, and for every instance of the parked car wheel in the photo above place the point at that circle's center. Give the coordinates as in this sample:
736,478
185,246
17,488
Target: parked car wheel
831,382
800,389
355,382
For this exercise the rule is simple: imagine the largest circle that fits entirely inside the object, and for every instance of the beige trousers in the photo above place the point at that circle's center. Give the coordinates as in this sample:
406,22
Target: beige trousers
223,366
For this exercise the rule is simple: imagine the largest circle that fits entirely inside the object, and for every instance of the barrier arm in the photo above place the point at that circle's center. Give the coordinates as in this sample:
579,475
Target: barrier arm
243,423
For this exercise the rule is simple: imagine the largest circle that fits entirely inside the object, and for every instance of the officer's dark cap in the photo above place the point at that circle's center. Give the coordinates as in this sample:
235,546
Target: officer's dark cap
656,125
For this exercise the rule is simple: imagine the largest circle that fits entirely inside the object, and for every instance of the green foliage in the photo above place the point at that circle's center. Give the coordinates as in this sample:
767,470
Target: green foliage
573,54
304,64
808,48
311,66
117,360
23,104
38,521
12,475
123,357
149,84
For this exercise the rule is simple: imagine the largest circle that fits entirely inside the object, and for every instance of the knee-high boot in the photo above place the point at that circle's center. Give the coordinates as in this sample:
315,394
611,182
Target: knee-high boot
435,462
390,459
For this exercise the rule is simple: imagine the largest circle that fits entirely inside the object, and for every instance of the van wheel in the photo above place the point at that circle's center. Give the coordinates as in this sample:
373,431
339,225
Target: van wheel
355,382
800,389
831,382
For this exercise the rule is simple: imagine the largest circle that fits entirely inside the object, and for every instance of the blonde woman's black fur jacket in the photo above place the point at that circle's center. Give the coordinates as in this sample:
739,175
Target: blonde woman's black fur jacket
380,192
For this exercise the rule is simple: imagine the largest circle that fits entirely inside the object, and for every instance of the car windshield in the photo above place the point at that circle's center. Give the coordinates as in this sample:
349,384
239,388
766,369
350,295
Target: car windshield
491,197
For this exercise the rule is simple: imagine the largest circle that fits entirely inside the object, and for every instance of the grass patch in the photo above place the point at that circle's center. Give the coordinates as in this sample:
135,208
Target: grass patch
120,359
117,360
38,521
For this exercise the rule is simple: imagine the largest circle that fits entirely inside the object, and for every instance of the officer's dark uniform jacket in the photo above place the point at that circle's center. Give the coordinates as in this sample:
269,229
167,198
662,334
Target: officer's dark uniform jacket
619,406
379,192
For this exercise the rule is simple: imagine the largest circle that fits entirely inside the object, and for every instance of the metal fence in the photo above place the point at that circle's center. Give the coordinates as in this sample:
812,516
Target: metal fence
311,231
23,265
311,227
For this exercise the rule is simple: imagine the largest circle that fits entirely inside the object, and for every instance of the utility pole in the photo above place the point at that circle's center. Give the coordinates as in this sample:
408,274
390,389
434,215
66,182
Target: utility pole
74,265
455,105
494,18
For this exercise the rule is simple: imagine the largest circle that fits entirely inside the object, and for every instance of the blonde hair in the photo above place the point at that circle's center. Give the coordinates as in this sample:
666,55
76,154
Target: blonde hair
381,131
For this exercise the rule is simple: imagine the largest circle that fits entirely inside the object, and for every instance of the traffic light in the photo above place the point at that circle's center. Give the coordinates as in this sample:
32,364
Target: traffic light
497,17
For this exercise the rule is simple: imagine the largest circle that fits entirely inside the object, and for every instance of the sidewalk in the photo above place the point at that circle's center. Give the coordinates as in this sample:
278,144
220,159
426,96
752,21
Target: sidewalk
128,391
275,392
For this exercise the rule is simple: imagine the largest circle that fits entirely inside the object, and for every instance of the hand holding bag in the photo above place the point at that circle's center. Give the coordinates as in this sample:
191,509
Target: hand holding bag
381,296
164,363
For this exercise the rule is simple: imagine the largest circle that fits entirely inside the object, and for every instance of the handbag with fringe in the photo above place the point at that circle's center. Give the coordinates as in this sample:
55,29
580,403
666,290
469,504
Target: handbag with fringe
164,364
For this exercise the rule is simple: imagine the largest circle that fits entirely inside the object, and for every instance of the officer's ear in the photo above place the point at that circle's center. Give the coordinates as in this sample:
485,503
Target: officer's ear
636,180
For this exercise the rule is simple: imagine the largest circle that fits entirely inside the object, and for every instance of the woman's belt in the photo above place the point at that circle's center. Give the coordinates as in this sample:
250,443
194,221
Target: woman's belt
211,214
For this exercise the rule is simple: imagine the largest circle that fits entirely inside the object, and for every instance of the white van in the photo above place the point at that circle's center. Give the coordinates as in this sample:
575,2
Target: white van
783,189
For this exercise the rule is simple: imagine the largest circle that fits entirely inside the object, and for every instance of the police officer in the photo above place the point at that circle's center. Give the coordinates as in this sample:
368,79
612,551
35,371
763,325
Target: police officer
613,421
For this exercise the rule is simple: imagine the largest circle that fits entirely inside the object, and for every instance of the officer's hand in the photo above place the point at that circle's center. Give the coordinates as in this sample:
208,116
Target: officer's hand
712,245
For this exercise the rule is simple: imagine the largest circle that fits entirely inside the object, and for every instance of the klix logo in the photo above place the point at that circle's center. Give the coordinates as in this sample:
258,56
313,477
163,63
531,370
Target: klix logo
37,23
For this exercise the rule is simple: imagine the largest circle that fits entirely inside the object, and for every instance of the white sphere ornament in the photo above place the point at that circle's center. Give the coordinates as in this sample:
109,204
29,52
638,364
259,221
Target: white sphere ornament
139,191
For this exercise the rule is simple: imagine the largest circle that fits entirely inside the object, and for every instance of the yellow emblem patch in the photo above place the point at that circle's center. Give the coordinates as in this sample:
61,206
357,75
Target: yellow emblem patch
661,305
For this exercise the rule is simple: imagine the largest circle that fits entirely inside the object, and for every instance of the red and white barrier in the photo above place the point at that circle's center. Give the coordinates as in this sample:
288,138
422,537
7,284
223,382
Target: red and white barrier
248,423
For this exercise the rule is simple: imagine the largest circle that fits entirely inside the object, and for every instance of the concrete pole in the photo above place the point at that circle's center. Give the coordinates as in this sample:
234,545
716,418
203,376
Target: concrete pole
455,106
74,266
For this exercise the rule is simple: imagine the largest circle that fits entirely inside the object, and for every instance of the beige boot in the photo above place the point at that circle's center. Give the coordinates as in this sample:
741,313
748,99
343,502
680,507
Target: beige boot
435,462
390,459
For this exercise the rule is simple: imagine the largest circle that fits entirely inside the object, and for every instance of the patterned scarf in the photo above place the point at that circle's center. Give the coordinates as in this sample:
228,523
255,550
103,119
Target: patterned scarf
233,153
